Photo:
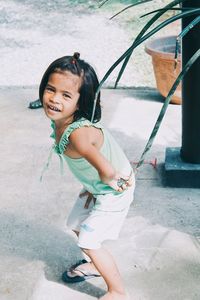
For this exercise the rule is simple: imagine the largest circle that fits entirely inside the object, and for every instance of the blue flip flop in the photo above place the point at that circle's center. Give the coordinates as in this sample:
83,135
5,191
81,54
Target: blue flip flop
78,278
79,262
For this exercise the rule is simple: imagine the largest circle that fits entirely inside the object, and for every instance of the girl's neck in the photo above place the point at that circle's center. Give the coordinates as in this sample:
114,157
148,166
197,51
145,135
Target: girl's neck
62,125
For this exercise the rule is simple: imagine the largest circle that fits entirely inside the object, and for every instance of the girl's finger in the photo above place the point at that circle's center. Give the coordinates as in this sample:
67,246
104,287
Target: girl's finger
124,187
128,179
125,177
129,182
119,189
113,184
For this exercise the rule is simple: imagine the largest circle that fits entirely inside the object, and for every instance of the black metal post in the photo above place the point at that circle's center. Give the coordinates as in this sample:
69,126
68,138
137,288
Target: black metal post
182,165
190,150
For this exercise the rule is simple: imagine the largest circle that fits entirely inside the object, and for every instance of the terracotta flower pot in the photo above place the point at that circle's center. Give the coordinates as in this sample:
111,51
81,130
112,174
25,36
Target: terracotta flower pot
162,53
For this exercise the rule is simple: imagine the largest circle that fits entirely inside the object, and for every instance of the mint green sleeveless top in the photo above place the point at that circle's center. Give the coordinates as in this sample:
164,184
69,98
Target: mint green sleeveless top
82,169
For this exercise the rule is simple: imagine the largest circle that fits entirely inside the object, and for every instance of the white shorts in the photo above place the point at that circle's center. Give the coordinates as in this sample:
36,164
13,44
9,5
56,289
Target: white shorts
100,221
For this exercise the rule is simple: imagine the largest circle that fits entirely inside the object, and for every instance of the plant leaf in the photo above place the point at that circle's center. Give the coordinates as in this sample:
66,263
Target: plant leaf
181,35
100,5
165,105
171,9
144,29
129,6
138,41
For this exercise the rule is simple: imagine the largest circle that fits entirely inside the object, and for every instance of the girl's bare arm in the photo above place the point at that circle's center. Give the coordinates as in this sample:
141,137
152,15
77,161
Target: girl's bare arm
83,143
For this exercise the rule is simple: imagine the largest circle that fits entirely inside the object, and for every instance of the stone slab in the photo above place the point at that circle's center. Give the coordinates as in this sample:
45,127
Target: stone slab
179,173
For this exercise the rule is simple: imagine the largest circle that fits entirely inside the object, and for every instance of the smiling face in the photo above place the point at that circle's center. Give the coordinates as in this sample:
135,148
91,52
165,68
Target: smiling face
60,98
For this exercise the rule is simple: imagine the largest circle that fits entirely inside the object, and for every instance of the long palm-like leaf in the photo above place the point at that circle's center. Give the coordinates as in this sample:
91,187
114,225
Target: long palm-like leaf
144,29
182,34
137,43
145,37
165,105
105,1
170,9
101,4
129,6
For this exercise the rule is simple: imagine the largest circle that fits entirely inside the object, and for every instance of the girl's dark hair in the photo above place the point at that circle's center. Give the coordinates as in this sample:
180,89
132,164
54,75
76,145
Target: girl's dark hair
88,88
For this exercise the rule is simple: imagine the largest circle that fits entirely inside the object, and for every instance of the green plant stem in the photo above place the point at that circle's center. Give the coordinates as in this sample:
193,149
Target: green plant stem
165,105
182,34
136,44
129,6
144,29
145,37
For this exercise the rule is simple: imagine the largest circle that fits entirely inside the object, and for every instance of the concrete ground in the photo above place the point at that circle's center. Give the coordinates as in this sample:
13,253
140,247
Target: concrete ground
158,252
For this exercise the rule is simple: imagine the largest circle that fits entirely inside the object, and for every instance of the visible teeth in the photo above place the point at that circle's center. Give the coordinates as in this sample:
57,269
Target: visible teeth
53,108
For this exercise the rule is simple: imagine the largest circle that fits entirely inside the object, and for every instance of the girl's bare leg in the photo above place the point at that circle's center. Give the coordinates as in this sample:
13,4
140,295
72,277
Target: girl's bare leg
86,266
104,263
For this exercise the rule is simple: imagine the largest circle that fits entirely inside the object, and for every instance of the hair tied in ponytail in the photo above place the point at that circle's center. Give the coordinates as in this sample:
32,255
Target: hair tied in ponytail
76,55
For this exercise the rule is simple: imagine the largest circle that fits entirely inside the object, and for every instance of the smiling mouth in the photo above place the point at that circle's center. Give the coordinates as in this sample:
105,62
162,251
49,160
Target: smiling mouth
53,108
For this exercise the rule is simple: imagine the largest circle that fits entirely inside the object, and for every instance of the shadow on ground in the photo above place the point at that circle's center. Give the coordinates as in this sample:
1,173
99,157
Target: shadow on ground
32,241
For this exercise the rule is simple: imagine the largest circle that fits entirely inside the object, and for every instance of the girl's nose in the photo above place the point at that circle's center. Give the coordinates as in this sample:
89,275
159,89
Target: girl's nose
55,98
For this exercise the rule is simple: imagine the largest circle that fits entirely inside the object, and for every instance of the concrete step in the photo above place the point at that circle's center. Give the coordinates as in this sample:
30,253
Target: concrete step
18,277
48,290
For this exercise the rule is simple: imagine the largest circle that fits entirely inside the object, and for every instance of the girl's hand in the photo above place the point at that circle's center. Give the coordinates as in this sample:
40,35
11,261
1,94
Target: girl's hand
120,182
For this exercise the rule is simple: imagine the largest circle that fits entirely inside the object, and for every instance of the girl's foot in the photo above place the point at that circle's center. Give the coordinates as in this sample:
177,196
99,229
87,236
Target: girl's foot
115,296
80,272
85,267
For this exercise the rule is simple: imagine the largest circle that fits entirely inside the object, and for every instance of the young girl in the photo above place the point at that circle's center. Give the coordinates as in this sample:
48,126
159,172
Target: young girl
67,92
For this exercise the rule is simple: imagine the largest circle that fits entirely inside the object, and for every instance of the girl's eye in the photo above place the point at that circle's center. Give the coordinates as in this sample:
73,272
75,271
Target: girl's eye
66,96
49,89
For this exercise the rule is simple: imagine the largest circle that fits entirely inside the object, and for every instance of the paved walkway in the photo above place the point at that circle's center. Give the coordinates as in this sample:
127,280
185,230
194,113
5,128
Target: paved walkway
158,252
34,33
